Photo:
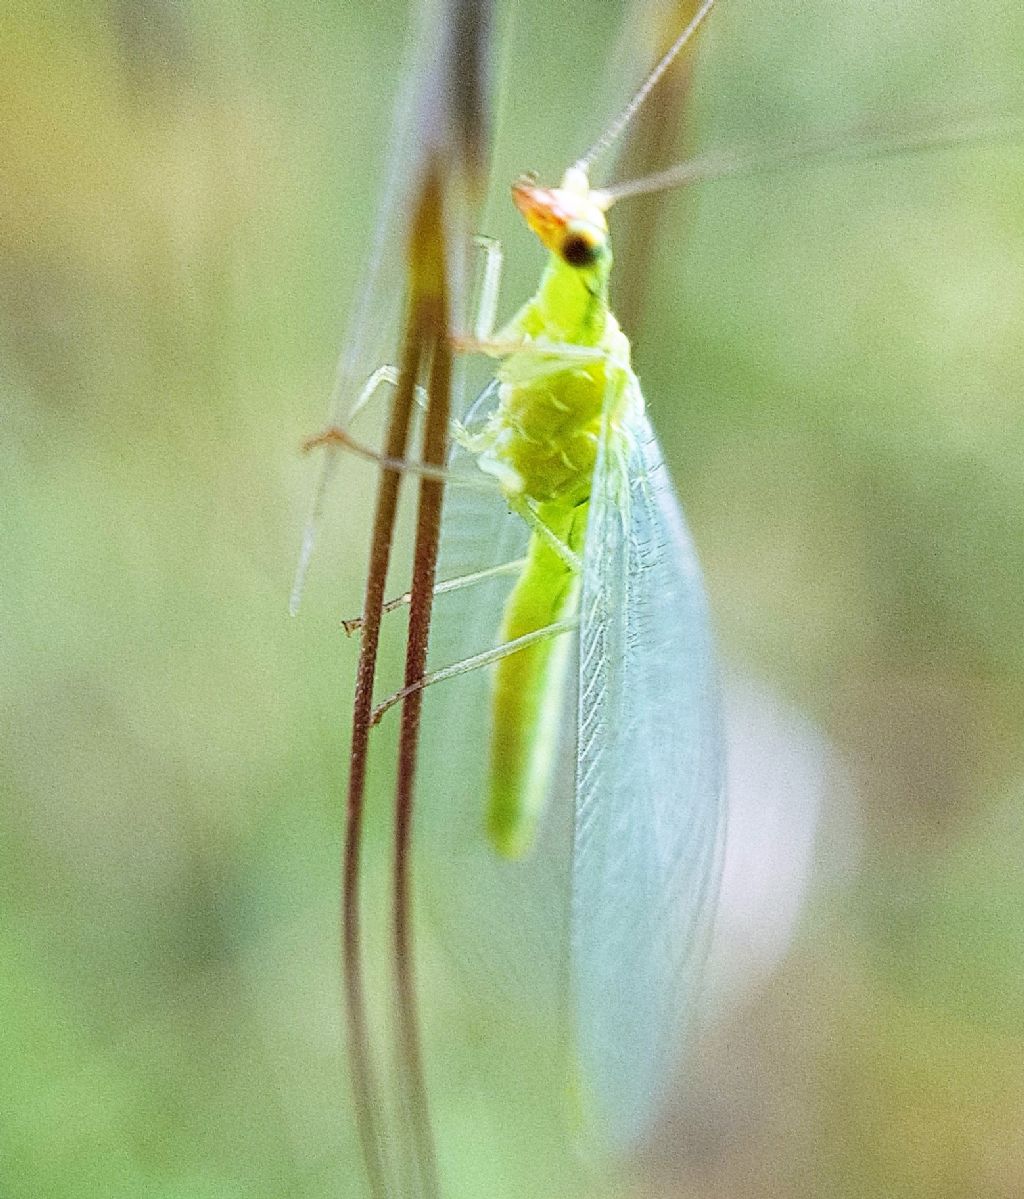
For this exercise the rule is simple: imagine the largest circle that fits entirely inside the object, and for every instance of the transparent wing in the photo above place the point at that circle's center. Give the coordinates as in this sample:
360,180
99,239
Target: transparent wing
591,946
649,806
433,116
505,923
503,926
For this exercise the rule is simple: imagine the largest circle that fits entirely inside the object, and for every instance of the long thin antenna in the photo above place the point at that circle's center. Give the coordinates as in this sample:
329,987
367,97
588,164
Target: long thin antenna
864,140
615,130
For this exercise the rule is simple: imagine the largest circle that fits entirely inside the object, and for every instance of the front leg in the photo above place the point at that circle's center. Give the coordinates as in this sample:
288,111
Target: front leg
487,304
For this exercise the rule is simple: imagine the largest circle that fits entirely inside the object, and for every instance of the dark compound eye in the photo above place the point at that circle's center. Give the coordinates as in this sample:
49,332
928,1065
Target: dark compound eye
579,251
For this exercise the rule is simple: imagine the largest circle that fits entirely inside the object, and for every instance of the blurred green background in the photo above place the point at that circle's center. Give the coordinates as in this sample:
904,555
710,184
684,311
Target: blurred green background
832,357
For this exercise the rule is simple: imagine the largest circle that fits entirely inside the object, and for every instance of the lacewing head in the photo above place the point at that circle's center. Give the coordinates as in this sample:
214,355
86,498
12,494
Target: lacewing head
569,220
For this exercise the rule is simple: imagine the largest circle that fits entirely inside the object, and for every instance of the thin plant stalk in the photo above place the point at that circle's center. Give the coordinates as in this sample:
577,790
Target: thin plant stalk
451,120
365,1084
429,257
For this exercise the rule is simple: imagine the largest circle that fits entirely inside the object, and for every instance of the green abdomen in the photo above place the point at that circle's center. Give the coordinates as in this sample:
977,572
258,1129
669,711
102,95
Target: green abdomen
528,685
